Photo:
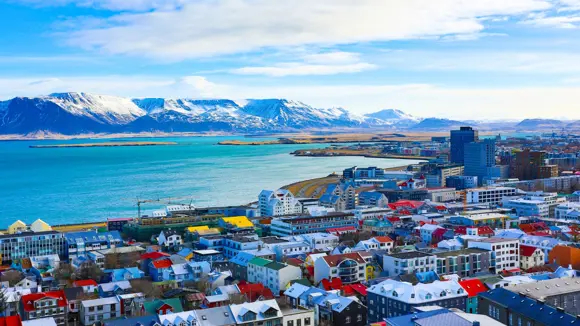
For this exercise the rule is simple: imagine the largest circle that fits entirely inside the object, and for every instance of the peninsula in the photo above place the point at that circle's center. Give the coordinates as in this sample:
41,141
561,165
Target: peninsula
107,144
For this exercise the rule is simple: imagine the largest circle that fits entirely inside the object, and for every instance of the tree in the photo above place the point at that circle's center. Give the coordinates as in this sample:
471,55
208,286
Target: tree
146,287
12,277
236,298
3,302
88,271
63,272
202,284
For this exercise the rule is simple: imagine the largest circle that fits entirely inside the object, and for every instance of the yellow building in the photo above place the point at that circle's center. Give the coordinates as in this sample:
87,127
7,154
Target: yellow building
40,226
16,227
236,222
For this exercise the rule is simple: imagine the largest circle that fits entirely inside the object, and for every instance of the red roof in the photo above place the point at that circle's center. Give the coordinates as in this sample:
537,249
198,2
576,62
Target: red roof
527,251
439,232
440,207
393,219
359,288
11,321
406,203
334,260
485,230
334,284
154,255
384,239
473,287
294,262
162,263
29,299
342,229
310,270
253,291
533,227
85,283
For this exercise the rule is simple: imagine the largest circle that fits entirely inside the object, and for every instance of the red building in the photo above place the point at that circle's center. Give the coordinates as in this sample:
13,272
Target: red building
45,304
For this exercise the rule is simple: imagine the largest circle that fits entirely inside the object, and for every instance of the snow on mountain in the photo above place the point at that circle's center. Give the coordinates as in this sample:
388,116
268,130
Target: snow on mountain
393,115
437,124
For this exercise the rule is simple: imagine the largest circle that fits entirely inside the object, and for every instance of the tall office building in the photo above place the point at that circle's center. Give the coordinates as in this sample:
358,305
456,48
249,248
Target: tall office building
479,161
459,138
531,165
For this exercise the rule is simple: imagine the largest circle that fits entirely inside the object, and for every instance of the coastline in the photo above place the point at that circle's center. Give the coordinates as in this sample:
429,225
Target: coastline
108,144
323,153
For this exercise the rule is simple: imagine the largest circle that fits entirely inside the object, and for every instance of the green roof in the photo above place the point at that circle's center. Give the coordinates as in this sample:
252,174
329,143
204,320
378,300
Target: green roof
275,266
259,261
152,306
303,281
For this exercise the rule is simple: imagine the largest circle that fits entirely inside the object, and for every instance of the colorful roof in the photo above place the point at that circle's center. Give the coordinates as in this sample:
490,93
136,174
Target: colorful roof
527,251
253,291
384,239
85,283
473,287
259,261
342,229
406,203
334,260
439,232
11,321
154,255
239,221
356,287
334,284
162,263
192,229
29,299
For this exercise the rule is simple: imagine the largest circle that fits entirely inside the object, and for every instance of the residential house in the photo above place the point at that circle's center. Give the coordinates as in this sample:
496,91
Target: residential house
473,287
531,257
44,304
392,298
350,268
170,239
125,274
74,297
162,307
112,289
236,224
81,243
375,243
215,316
232,245
505,253
408,262
184,318
373,199
92,311
431,233
257,313
158,267
239,265
297,317
275,276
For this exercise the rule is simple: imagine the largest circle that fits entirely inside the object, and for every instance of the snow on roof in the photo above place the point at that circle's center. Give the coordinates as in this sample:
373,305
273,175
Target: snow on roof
420,293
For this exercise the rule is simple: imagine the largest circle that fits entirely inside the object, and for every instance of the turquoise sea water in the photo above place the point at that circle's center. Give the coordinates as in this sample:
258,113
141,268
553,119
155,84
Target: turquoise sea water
70,185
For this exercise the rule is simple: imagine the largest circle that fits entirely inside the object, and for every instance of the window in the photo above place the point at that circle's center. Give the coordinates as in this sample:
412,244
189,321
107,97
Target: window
347,320
359,317
307,321
290,323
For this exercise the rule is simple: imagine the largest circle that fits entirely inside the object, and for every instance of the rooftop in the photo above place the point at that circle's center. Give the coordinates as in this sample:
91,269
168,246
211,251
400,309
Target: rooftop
461,252
547,288
409,255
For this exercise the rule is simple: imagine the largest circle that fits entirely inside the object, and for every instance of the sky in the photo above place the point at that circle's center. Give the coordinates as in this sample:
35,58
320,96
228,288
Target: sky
459,59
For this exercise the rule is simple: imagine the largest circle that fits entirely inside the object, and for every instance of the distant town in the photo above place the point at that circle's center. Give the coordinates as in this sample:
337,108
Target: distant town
484,231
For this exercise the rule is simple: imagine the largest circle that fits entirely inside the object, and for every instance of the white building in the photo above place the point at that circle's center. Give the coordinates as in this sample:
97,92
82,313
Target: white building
371,213
257,313
316,241
538,204
350,268
569,211
531,257
170,238
92,311
298,316
426,231
505,252
408,262
273,275
179,318
376,243
277,203
489,195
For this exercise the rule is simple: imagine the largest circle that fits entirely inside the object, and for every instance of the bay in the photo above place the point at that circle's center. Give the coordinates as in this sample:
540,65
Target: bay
72,185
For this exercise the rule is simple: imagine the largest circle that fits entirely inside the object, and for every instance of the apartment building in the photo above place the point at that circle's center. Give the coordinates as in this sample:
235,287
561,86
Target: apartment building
408,262
392,298
372,199
30,244
539,204
51,304
465,262
489,195
94,311
278,202
505,253
561,293
273,275
350,268
257,313
569,211
311,224
81,243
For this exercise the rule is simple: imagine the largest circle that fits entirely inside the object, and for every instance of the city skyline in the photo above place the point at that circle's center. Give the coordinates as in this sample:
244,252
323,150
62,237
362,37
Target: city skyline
453,59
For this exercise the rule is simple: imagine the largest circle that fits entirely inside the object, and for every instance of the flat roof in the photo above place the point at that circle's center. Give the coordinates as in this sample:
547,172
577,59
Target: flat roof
460,252
409,255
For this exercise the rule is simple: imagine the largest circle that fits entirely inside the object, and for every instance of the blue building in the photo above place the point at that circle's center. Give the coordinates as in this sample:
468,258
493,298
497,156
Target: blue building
461,182
81,243
479,161
459,138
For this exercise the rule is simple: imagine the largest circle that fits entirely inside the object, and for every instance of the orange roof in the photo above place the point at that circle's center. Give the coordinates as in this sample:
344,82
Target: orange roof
162,263
384,239
565,256
84,283
29,299
473,287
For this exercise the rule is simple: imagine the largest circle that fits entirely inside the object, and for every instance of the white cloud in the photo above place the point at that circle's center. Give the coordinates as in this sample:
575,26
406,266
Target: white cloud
115,5
208,28
419,99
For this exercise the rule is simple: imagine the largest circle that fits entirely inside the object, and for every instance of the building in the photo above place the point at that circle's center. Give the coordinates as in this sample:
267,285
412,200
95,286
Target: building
505,253
170,239
437,176
45,304
512,308
442,194
408,262
458,140
356,173
568,211
427,232
531,257
92,311
489,195
473,287
538,203
375,243
392,298
373,199
349,267
559,293
461,182
81,243
435,315
346,194
235,224
116,224
565,256
257,313
493,220
273,275
317,241
465,262
480,162
29,244
531,165
278,203
297,316
287,226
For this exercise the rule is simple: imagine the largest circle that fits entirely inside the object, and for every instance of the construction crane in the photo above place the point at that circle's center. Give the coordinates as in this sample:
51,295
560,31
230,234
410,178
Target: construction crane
167,200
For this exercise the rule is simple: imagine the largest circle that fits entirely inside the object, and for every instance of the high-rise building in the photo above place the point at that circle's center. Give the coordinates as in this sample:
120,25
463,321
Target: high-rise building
479,161
531,165
459,138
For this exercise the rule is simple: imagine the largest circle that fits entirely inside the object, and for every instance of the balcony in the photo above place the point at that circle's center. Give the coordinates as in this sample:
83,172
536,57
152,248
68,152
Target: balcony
348,271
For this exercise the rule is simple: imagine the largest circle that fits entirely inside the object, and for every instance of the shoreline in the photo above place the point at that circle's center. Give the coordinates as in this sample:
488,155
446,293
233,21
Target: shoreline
302,153
107,144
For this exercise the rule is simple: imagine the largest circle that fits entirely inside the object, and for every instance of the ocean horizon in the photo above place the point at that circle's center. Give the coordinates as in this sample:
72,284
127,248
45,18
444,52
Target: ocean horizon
74,185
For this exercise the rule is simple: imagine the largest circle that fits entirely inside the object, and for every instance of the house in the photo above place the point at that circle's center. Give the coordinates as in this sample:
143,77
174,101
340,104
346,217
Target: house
273,275
376,243
565,256
345,191
317,241
125,274
239,265
254,291
373,199
148,257
13,296
236,224
162,307
408,262
170,239
186,253
96,310
392,298
251,313
179,318
88,286
215,316
482,231
122,257
297,316
216,300
40,226
431,233
81,243
45,304
506,252
351,268
112,289
193,233
512,308
74,297
473,287
158,267
530,257
558,292
207,255
17,227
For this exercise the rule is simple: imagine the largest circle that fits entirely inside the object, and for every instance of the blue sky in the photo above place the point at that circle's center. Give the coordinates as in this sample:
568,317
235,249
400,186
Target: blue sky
484,59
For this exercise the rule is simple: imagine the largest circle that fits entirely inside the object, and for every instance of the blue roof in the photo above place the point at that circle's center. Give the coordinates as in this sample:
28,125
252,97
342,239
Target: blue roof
541,277
242,258
92,236
143,320
427,277
119,274
539,312
184,252
370,195
447,319
409,320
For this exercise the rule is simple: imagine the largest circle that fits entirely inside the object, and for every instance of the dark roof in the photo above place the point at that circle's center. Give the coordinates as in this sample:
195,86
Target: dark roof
275,266
461,252
142,320
73,293
535,310
270,240
409,255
